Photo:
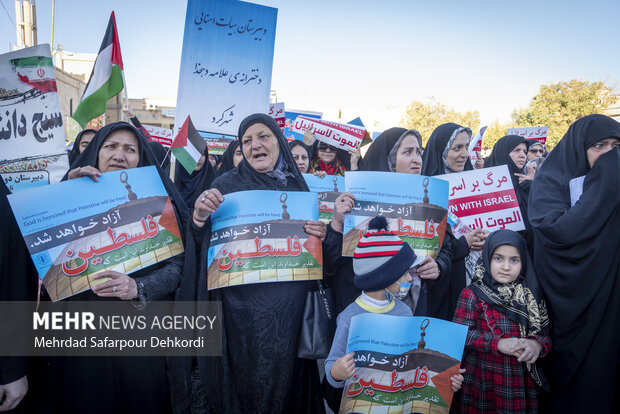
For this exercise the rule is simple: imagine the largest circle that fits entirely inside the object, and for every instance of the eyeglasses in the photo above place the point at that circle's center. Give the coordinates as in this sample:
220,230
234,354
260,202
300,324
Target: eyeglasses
325,148
537,150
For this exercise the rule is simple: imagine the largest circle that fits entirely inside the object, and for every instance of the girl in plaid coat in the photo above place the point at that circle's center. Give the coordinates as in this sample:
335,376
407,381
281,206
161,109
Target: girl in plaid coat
508,331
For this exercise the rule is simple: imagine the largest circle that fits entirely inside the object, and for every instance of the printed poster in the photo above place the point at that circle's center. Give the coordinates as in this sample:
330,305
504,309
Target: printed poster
125,222
344,136
328,189
164,136
415,207
276,111
32,137
403,364
475,146
485,198
226,63
258,237
289,122
531,133
217,143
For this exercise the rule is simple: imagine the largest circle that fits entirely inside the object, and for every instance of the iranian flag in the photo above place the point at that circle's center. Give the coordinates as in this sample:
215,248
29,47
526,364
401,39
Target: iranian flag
188,146
36,71
105,81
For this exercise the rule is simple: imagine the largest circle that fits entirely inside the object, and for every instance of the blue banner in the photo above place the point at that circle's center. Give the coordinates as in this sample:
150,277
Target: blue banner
258,236
328,189
77,228
415,206
289,121
226,63
402,361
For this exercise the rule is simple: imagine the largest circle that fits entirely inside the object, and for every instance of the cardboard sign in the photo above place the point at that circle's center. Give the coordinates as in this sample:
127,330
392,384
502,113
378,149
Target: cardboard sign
343,136
403,364
276,111
164,136
475,146
32,138
289,121
259,237
415,206
226,63
328,188
531,133
217,143
485,198
125,222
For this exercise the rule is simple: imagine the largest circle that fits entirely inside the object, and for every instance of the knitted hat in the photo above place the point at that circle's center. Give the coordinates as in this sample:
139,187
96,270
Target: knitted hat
380,257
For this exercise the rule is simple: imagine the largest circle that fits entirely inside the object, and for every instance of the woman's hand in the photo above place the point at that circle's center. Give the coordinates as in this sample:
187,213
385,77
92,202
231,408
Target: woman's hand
428,269
320,174
87,171
343,368
509,346
205,205
120,286
356,154
343,205
316,228
129,112
531,173
12,393
456,381
476,238
309,136
529,350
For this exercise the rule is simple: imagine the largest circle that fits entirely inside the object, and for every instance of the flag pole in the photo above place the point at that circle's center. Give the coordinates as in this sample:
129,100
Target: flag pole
125,87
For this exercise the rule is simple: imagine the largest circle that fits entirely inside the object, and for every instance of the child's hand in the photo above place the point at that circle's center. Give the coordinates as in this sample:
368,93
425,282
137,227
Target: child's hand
509,346
343,368
529,350
457,380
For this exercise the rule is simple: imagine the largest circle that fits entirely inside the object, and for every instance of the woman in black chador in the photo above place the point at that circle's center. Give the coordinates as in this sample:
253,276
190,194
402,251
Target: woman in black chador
576,246
259,371
447,152
119,384
511,151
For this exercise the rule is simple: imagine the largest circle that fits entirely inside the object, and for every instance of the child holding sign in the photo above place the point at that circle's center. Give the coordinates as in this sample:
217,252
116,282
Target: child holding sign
381,264
508,331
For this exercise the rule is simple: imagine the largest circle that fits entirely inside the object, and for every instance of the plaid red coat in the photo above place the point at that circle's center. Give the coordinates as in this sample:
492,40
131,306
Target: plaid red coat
494,382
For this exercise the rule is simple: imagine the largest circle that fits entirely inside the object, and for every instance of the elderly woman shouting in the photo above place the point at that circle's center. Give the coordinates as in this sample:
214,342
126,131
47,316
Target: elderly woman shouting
261,322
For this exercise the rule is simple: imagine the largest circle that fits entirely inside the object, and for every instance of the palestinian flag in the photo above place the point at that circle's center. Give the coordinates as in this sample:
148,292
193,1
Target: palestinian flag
36,71
188,146
105,81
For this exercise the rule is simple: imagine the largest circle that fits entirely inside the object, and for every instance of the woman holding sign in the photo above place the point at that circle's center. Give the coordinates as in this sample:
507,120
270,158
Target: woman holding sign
397,150
259,371
329,159
511,151
447,153
121,383
574,210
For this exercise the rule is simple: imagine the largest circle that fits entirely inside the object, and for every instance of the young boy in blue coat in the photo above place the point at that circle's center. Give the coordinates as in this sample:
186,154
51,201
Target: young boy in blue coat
381,263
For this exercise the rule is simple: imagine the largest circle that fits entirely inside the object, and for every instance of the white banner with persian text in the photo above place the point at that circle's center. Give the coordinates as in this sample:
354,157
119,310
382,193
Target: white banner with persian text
32,138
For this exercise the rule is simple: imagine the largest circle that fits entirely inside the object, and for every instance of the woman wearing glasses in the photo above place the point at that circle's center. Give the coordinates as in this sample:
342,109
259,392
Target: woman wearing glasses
329,160
536,150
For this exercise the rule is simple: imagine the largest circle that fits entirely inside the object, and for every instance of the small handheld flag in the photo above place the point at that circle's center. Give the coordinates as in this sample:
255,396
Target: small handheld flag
188,146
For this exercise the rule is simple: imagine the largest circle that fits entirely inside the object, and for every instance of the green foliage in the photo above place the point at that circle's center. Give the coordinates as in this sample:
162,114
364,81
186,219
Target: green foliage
560,104
425,117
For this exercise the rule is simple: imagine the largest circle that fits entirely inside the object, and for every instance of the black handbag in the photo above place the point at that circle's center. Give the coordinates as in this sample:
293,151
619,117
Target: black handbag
318,324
